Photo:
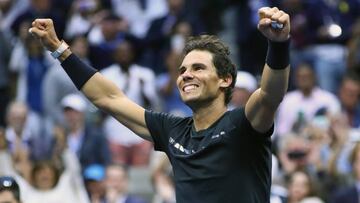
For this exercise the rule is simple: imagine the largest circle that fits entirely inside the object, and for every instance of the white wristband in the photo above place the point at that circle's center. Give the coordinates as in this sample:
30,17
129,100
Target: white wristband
60,50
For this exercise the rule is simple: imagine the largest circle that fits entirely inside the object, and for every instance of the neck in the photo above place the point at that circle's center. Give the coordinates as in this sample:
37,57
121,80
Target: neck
76,128
307,92
205,116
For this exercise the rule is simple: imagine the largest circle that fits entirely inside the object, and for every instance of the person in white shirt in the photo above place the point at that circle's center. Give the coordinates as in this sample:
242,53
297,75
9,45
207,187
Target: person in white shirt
138,83
305,101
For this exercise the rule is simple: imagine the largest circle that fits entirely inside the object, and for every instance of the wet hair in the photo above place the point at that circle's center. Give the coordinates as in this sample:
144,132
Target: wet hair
221,60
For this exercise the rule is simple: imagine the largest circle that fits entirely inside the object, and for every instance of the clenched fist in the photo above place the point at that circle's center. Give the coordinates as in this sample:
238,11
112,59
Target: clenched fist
43,29
267,16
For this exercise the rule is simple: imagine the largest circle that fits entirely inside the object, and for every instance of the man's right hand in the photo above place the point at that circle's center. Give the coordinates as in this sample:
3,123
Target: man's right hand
43,29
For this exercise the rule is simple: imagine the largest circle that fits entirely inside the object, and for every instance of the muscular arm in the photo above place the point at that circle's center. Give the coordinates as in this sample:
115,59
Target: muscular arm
100,91
262,105
107,97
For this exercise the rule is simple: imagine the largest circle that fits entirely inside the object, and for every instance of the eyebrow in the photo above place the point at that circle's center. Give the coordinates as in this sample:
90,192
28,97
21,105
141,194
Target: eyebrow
192,65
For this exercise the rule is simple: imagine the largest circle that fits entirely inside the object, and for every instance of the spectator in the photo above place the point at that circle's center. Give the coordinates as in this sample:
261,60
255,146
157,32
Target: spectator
9,11
57,84
84,15
94,177
353,59
245,85
89,144
293,151
141,15
104,38
351,193
160,33
302,104
349,96
38,9
23,132
329,29
162,179
138,83
248,37
31,69
300,187
9,190
47,181
117,185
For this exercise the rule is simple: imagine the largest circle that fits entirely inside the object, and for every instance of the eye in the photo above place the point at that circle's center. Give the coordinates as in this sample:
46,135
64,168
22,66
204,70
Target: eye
181,70
197,68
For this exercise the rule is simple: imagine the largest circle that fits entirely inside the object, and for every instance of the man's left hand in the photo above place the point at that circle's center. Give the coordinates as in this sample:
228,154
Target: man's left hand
267,16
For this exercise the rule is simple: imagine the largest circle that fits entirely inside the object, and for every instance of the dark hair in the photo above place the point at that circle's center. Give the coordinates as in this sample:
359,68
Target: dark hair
39,165
220,52
8,183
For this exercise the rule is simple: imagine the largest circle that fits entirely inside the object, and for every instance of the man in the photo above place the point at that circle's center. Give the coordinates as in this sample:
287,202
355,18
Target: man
84,140
138,83
217,155
301,105
9,190
117,184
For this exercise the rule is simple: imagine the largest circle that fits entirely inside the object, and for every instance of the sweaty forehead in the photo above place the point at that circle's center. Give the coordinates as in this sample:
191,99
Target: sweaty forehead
198,56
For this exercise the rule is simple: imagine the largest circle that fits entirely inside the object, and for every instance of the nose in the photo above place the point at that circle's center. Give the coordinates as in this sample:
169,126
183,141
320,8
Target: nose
187,75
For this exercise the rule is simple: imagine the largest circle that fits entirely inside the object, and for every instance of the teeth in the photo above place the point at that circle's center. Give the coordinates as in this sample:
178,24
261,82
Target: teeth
189,88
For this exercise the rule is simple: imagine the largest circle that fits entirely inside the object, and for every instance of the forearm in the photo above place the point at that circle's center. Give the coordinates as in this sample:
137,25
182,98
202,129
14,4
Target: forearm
275,76
94,86
274,84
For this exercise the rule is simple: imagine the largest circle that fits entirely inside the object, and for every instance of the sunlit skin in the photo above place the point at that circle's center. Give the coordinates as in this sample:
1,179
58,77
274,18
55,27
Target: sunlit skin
198,82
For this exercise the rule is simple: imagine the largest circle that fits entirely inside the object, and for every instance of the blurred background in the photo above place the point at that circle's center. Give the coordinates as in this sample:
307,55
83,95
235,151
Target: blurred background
60,148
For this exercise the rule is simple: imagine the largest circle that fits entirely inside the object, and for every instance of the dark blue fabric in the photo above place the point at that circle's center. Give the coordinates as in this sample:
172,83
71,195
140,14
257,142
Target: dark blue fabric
94,148
36,70
346,195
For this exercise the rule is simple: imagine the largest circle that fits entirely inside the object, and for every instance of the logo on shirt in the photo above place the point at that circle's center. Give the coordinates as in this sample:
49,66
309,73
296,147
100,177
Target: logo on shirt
218,135
179,146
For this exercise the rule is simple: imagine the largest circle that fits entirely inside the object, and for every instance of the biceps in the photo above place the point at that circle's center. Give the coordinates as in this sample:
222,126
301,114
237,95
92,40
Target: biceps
131,115
259,113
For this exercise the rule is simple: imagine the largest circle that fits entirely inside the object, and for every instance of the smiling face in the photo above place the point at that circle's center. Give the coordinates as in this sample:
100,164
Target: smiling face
198,81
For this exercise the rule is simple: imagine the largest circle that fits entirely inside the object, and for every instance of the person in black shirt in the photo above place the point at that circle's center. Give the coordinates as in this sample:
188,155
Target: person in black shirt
217,155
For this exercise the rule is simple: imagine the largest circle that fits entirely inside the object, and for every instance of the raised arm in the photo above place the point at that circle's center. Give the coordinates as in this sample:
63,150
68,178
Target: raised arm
262,105
100,91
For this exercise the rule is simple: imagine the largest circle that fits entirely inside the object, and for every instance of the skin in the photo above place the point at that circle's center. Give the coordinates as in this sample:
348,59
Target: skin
116,183
7,197
299,187
44,179
206,99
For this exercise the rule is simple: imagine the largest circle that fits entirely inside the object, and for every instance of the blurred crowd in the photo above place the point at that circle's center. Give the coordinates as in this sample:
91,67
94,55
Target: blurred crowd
60,148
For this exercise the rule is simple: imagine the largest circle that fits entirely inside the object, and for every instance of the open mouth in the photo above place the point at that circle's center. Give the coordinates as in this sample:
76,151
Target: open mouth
189,87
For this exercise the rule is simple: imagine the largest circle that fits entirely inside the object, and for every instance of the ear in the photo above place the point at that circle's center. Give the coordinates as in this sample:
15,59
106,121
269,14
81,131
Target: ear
226,81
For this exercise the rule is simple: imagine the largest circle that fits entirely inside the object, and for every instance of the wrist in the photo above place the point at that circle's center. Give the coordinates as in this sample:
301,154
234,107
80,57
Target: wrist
60,50
278,54
54,45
